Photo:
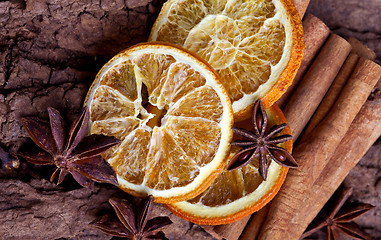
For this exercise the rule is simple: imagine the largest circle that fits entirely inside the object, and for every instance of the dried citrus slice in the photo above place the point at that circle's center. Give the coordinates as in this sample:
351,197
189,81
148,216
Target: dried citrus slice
173,116
256,46
237,193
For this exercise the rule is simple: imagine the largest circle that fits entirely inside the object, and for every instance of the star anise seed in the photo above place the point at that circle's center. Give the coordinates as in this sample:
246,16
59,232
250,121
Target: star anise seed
78,154
261,143
339,221
133,224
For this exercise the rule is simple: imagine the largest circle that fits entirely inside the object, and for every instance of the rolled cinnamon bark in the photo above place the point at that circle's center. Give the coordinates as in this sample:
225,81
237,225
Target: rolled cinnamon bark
314,153
255,223
358,50
333,92
363,132
361,50
315,34
301,6
230,231
315,84
210,229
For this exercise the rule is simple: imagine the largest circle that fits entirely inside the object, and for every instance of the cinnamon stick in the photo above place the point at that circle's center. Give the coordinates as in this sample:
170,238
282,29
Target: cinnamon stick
301,6
230,231
210,229
315,84
363,132
315,34
333,92
361,50
358,50
255,223
313,153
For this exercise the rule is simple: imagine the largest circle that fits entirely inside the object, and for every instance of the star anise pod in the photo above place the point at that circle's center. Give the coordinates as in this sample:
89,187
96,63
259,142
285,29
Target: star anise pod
78,154
133,221
261,142
339,219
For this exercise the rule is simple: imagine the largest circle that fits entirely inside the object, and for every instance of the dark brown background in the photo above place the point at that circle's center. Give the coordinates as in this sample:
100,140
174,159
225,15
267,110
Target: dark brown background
50,51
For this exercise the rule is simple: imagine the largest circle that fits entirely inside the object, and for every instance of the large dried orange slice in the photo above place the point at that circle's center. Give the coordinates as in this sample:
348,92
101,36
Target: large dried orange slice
256,46
173,116
237,193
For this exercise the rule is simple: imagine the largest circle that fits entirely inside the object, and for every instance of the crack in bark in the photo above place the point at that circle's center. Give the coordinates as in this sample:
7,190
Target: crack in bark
8,63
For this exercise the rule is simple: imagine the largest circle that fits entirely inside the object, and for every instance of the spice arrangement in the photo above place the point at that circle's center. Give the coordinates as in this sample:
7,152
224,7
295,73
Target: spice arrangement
348,79
328,157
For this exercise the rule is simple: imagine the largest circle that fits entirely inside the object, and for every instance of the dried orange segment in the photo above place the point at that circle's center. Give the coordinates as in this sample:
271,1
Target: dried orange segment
108,103
198,137
122,78
175,134
226,188
129,161
256,46
232,83
181,79
117,127
238,193
259,9
251,177
187,14
168,165
210,106
214,6
152,71
220,32
243,71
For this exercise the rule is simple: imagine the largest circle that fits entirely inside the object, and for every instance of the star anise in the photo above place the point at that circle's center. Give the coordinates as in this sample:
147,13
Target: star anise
339,221
261,142
133,224
80,155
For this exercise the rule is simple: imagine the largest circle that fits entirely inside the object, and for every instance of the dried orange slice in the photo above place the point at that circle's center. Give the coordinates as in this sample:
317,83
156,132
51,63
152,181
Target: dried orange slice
256,46
237,193
173,116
